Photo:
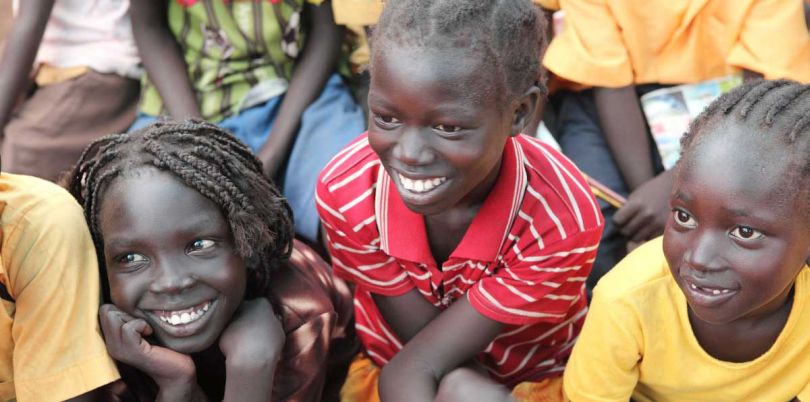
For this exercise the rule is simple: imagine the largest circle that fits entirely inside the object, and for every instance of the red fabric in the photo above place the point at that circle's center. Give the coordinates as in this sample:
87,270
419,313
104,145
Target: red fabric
523,261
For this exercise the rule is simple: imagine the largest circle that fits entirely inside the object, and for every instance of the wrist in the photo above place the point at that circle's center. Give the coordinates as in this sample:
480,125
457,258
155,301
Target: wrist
252,363
177,389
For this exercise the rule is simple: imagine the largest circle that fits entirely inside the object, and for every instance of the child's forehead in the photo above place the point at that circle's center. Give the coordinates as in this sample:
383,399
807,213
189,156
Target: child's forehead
451,67
746,164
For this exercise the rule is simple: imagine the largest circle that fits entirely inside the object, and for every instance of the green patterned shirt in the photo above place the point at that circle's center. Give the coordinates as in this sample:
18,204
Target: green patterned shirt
239,53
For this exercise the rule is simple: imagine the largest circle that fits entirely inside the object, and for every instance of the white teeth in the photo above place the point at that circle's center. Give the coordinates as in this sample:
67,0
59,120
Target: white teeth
713,291
420,186
186,316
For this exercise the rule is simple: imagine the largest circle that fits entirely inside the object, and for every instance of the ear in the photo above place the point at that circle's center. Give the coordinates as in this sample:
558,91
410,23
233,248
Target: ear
525,107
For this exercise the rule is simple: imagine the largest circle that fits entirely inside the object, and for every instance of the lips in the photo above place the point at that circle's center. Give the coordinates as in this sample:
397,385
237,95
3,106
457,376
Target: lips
707,294
420,186
186,321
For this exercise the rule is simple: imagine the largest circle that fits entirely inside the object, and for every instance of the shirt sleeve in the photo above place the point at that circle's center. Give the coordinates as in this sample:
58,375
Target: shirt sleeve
356,255
604,363
58,349
754,48
804,395
301,374
538,285
548,4
357,12
590,50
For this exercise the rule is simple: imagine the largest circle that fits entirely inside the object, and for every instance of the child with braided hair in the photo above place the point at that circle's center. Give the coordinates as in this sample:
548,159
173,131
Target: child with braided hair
211,296
719,309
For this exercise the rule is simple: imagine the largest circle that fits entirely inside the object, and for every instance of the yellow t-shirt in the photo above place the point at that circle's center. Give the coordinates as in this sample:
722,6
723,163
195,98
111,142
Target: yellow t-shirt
50,344
637,341
613,43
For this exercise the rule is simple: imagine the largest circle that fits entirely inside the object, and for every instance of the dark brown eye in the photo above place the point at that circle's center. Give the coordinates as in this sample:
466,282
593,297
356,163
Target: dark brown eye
385,121
746,233
447,128
683,218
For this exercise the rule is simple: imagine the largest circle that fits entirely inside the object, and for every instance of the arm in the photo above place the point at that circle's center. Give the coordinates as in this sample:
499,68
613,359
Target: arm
252,344
415,372
312,70
21,46
645,213
163,58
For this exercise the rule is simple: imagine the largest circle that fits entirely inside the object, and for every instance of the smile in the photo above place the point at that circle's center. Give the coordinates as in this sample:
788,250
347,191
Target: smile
709,290
185,316
420,186
707,295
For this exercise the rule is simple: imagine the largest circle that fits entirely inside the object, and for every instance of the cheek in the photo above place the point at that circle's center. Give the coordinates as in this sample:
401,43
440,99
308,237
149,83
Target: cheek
380,142
674,246
124,293
233,278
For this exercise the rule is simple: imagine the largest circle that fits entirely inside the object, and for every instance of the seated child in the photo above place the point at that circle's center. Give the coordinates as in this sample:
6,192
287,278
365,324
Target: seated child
194,241
622,49
264,70
469,243
719,310
49,284
86,67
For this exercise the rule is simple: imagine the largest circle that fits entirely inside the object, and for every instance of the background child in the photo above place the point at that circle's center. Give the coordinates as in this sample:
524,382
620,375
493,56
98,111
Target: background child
193,280
264,70
468,242
623,49
83,58
718,310
49,285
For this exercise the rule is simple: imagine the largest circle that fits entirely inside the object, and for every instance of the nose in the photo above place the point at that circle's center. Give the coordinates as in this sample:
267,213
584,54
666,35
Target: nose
413,147
171,276
703,253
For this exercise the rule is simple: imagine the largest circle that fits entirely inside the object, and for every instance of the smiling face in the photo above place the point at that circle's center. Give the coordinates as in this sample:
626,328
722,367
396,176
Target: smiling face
438,126
170,259
733,241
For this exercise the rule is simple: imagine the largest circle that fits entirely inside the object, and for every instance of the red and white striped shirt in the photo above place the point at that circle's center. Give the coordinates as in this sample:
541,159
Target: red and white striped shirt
523,261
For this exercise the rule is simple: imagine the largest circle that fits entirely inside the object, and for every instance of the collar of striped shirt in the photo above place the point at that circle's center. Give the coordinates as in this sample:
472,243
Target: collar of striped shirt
407,240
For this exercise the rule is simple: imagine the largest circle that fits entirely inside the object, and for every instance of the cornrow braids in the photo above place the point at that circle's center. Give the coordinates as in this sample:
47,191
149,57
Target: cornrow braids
209,160
507,34
777,109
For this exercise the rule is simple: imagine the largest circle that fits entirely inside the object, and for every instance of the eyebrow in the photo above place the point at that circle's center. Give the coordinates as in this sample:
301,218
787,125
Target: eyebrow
198,224
682,197
737,212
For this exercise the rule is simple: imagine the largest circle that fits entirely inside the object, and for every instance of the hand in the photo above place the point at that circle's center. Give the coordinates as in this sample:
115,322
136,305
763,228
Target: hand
254,338
647,209
124,337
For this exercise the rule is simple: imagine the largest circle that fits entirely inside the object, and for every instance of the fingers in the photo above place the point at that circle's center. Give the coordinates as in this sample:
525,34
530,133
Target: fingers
626,213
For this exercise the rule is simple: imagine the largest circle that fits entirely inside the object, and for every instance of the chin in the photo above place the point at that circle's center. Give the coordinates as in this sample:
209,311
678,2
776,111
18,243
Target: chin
189,345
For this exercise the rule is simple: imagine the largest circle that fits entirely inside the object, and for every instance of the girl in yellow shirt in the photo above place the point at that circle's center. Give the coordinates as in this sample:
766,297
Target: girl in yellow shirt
720,308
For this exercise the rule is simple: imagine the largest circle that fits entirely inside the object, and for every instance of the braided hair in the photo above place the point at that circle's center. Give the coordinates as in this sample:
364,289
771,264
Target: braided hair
777,109
507,35
207,159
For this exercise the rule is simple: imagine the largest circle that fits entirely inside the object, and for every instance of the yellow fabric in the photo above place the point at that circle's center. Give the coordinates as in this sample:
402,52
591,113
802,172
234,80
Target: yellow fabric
367,12
637,340
548,4
613,43
50,344
362,385
48,74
